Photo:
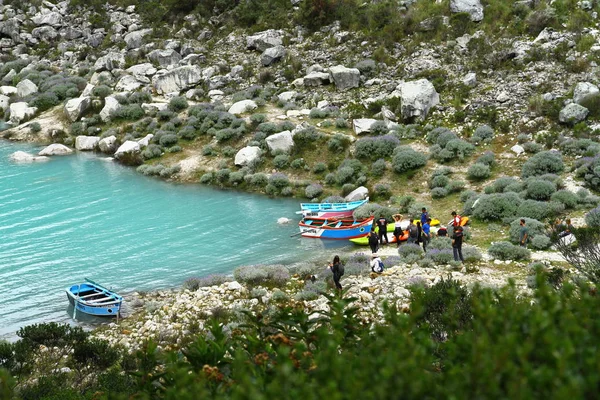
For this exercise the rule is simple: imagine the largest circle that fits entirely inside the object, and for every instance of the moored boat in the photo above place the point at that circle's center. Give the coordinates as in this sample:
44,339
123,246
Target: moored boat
330,210
94,299
337,229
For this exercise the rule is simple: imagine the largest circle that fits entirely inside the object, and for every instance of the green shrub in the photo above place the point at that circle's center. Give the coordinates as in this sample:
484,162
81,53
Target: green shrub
534,227
483,134
382,190
338,143
438,181
455,186
319,113
538,189
319,167
281,161
488,158
508,251
313,190
478,172
439,192
592,218
35,127
279,180
545,162
341,123
379,167
589,170
101,91
45,101
566,197
140,98
168,140
406,159
532,147
374,148
497,206
259,180
265,275
152,151
534,209
178,104
130,112
540,242
207,178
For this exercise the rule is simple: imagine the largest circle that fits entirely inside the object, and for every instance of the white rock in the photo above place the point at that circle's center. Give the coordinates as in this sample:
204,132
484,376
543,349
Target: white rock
584,89
417,98
145,141
473,7
164,58
52,18
177,79
89,88
20,112
518,149
287,97
26,87
55,149
282,141
359,193
216,94
135,39
111,105
242,107
234,286
129,147
108,144
127,83
344,78
272,55
8,90
145,69
572,113
86,143
21,156
247,155
316,79
76,107
503,97
109,62
263,40
149,107
363,125
4,102
470,79
283,221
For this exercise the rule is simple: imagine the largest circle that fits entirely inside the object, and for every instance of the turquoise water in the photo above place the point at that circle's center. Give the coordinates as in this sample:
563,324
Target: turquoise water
81,216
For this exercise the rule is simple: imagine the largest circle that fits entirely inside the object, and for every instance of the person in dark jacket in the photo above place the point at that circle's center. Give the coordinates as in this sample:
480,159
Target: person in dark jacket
457,240
419,232
382,224
336,269
373,240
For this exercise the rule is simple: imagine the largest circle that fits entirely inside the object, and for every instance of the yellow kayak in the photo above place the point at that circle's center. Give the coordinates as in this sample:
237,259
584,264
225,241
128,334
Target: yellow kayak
434,221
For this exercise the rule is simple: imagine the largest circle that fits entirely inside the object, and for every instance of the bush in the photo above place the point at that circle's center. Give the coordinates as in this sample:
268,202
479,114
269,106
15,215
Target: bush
373,209
478,172
152,151
592,218
500,184
497,206
45,101
382,190
589,169
438,181
545,162
338,143
374,148
313,190
178,104
236,178
488,158
257,119
534,209
406,159
341,123
379,167
130,112
483,134
455,186
259,180
408,250
319,167
264,275
279,180
508,251
207,178
140,98
281,161
35,127
319,113
566,197
540,242
439,192
534,227
532,147
101,91
540,189
168,140
471,253
440,257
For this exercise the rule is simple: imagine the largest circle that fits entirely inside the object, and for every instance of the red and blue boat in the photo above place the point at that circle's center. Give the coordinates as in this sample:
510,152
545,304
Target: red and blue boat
330,210
334,228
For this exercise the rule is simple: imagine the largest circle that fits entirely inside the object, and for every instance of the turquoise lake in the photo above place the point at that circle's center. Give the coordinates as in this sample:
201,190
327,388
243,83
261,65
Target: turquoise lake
81,216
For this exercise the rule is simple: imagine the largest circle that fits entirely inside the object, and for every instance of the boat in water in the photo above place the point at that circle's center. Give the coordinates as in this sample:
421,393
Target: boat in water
333,228
94,299
330,210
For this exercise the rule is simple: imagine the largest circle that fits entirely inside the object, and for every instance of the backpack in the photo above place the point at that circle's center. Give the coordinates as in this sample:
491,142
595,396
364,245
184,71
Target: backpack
413,231
379,267
341,269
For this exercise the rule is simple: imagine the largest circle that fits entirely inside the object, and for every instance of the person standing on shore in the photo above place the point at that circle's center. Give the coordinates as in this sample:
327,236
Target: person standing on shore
424,215
413,232
398,228
457,240
337,270
419,233
523,234
373,240
426,235
382,224
456,219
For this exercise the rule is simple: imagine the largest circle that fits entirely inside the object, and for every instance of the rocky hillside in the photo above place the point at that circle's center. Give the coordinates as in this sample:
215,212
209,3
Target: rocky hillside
494,104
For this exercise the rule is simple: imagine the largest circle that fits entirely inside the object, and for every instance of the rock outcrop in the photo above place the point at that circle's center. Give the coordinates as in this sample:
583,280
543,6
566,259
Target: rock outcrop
573,113
247,155
55,149
282,141
242,107
86,143
344,78
417,98
472,7
21,112
129,153
177,79
75,108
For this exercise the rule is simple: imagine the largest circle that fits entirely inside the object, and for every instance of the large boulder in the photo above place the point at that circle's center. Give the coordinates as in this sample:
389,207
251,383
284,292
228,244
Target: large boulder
282,141
129,153
20,112
111,105
472,7
272,55
112,60
573,113
45,33
142,71
417,98
11,28
8,90
344,78
263,40
359,193
583,90
242,106
76,107
108,144
4,102
317,79
86,143
287,97
177,79
164,58
134,39
55,149
51,18
363,125
247,155
128,83
23,157
26,87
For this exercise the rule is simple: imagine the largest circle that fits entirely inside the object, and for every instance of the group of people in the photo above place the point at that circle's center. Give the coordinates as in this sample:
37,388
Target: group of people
418,233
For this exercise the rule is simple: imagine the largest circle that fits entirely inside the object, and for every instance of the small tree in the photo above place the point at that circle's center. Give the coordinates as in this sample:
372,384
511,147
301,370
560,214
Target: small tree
584,253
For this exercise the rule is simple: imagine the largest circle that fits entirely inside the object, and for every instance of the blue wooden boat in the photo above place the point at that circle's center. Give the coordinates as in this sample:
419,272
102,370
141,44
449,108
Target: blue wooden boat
94,299
338,229
330,210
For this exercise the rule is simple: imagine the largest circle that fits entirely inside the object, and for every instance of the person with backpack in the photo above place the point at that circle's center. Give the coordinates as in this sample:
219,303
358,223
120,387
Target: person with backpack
413,232
426,235
398,232
457,240
337,268
373,240
376,264
382,224
456,219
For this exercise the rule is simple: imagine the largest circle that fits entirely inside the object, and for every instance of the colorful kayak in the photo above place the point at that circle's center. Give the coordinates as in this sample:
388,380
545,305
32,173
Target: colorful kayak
434,221
364,241
330,210
337,229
